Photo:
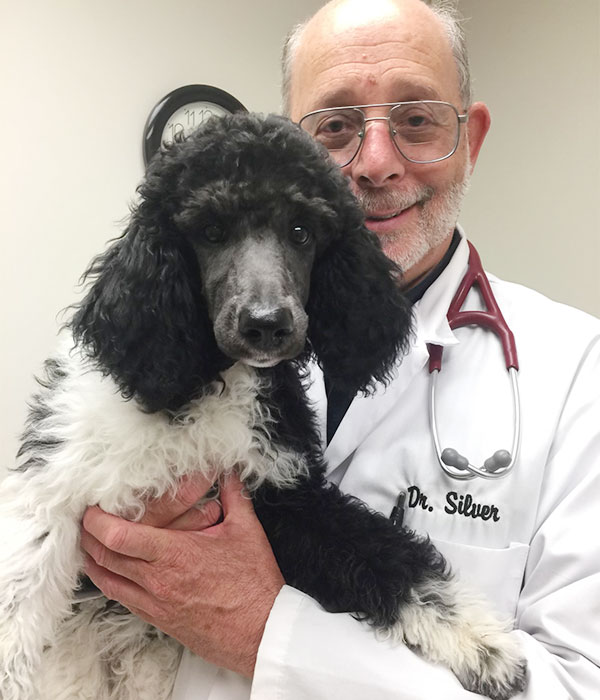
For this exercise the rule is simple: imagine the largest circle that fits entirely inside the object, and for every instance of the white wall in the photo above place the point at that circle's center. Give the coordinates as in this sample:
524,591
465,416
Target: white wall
79,78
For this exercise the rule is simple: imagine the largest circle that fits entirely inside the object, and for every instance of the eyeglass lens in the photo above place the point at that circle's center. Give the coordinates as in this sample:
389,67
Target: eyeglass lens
423,132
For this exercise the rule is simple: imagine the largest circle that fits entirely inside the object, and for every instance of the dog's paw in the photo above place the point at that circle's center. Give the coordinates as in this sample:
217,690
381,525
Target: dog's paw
495,669
449,626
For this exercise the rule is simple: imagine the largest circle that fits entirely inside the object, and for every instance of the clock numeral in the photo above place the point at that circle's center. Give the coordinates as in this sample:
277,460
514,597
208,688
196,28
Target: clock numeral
195,117
205,114
176,128
191,117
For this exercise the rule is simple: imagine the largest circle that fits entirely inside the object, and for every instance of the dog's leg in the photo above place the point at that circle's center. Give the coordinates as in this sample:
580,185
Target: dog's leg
449,625
351,559
39,562
141,661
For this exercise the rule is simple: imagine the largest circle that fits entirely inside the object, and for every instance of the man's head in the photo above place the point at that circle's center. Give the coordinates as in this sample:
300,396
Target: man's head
388,51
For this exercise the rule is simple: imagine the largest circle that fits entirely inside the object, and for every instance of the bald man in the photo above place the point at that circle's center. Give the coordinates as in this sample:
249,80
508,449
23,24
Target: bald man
377,71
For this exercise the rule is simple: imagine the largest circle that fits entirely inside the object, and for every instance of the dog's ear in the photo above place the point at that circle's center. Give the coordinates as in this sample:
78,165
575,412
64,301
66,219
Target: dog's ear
359,321
143,319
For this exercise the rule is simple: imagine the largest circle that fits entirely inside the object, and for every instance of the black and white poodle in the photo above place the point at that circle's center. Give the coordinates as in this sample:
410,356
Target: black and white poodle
245,258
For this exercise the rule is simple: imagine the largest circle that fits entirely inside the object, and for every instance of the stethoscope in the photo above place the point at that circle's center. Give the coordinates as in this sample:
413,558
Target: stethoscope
451,461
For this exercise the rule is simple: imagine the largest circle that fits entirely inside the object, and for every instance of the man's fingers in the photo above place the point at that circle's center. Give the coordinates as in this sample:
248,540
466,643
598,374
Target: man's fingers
234,497
121,536
163,511
116,587
199,518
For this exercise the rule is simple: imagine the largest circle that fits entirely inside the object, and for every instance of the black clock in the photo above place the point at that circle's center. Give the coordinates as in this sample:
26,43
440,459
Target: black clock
182,111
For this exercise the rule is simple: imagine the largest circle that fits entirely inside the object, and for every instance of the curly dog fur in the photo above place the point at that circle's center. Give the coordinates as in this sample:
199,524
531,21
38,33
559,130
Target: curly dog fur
245,258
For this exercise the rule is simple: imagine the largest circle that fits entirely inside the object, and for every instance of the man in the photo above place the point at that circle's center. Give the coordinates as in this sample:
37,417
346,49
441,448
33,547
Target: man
528,542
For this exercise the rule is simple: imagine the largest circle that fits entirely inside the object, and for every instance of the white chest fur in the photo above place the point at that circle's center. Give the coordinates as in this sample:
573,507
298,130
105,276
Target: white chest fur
109,451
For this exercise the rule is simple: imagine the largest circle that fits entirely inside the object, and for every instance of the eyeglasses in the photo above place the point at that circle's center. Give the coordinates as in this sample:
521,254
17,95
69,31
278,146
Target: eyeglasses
424,132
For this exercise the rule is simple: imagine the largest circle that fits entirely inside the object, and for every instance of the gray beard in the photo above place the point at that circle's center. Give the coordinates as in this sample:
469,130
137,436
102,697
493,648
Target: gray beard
437,217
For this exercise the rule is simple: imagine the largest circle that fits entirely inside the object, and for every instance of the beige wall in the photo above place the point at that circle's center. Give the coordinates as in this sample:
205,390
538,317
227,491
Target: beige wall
80,76
534,205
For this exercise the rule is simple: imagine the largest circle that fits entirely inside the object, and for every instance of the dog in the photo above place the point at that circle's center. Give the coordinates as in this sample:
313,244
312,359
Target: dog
245,258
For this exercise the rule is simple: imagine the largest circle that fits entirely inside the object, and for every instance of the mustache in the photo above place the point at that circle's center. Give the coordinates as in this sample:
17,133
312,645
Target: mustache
373,201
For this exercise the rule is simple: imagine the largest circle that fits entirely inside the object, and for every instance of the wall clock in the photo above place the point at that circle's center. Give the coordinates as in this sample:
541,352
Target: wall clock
182,111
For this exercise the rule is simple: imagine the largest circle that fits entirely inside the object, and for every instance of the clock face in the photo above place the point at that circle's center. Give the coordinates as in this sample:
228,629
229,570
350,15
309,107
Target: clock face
189,117
182,111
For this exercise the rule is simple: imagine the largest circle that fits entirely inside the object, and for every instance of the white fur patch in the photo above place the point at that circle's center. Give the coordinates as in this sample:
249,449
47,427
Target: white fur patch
111,453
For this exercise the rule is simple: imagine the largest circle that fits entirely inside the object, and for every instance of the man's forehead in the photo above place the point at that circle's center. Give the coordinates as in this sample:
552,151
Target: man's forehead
406,45
340,16
346,14
368,29
405,90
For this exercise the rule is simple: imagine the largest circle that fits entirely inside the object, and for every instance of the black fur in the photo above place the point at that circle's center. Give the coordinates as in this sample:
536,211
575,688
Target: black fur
37,447
330,545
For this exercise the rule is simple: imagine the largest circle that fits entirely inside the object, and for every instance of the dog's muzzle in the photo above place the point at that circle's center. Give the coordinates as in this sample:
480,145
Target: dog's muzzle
269,335
266,329
260,293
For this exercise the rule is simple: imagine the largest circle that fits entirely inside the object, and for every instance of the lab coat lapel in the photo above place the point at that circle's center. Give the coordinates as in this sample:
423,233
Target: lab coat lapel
430,326
365,412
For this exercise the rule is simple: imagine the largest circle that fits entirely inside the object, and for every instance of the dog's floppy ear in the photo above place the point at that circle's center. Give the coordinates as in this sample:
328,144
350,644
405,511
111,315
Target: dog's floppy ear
143,319
359,321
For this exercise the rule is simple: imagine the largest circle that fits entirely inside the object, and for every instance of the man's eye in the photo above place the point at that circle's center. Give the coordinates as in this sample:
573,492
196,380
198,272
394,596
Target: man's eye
336,131
300,235
417,120
414,120
334,126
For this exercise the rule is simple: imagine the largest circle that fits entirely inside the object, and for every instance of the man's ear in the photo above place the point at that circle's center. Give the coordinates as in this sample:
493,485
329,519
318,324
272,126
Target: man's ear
477,128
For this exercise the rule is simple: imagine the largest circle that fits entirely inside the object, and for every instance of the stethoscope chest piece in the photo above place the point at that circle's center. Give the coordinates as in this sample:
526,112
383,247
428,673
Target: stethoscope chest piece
502,462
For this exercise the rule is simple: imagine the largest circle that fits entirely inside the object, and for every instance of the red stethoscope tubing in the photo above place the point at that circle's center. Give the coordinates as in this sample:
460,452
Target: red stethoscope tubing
501,462
492,318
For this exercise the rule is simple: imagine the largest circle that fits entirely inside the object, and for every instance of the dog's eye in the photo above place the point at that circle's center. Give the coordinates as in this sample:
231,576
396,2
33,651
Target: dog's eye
214,234
300,235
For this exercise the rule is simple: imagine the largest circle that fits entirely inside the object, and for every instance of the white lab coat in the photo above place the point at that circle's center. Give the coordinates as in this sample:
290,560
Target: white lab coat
536,552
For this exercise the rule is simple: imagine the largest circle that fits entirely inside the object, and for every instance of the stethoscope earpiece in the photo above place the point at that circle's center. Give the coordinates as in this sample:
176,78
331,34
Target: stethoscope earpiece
452,458
499,460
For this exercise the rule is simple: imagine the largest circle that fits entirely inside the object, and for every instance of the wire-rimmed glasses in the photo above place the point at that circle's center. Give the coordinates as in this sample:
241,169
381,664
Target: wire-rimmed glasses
425,131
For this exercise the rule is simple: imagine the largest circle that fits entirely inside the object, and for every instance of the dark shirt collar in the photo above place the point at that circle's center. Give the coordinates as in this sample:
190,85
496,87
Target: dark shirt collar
415,293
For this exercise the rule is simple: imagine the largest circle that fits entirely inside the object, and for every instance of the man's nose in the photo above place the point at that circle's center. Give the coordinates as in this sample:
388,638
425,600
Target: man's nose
378,160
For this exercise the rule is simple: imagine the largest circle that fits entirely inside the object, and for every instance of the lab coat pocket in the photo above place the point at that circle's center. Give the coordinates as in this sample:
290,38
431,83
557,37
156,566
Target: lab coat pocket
495,573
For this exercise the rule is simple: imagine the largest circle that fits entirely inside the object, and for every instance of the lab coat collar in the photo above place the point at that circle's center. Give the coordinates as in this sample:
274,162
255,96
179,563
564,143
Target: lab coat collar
430,326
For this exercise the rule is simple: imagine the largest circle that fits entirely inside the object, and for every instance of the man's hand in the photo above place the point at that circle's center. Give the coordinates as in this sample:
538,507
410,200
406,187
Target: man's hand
208,583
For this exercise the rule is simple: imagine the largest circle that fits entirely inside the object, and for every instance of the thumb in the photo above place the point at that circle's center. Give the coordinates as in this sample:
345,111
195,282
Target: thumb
234,497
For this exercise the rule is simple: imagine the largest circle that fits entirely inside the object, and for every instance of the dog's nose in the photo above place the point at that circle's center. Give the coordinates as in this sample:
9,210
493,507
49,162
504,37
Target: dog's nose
267,328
